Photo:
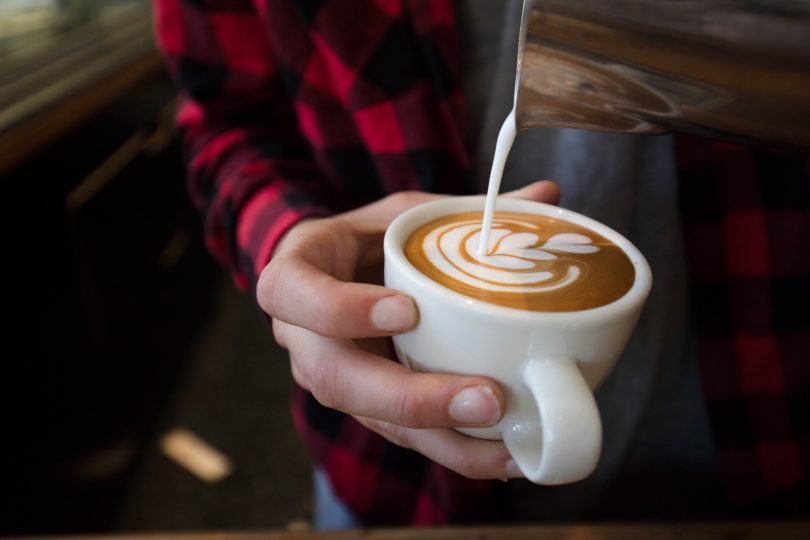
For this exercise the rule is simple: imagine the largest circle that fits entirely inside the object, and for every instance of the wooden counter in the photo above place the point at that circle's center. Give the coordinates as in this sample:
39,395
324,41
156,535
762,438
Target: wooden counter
799,530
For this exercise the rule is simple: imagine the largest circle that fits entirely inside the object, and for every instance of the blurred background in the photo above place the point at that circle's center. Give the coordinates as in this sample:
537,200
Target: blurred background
122,328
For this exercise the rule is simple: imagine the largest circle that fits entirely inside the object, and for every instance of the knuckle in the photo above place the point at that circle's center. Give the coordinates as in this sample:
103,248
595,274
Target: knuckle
327,319
465,465
410,408
263,287
399,435
267,287
478,463
323,380
280,332
298,377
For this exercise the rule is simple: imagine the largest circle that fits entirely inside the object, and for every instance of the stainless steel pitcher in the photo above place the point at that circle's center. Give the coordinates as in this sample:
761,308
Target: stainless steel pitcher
734,70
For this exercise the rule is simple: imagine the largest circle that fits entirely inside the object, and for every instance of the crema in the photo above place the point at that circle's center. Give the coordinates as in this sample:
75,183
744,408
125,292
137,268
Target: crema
535,262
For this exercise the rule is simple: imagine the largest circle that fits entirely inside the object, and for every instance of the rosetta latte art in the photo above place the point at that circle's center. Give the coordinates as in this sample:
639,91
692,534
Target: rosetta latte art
534,262
515,259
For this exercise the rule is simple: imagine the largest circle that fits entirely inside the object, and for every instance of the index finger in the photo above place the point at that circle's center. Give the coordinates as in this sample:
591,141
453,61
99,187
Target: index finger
295,291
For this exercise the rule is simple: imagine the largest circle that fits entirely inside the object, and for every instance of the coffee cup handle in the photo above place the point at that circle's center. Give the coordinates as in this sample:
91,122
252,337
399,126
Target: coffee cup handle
563,443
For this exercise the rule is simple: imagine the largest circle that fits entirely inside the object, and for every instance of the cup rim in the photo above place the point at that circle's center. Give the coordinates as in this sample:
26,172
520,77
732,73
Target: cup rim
408,221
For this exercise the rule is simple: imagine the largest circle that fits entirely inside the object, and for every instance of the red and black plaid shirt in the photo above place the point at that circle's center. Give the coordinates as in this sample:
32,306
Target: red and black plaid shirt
303,108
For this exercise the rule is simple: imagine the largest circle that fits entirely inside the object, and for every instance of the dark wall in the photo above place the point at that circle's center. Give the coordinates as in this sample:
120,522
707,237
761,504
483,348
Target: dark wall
108,265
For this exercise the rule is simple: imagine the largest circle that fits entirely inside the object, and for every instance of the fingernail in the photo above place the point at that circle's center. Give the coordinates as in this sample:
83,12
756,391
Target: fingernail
512,469
393,314
475,405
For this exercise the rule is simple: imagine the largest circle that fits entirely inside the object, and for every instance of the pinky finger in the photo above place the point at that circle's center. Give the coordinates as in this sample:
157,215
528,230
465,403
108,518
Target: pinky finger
473,458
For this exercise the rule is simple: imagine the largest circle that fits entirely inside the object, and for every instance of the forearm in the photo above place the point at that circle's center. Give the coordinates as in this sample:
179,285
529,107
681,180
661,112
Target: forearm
250,172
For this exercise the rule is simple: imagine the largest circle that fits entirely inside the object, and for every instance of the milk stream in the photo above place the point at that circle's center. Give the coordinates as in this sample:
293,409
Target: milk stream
505,139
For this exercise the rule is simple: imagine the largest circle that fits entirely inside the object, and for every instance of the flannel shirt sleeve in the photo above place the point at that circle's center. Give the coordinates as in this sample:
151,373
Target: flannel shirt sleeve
250,171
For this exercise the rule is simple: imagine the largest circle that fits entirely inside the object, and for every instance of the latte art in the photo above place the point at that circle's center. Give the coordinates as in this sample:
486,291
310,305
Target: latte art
453,250
534,262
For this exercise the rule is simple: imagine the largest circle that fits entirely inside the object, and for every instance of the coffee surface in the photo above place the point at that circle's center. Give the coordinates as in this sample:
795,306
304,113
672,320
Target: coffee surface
535,262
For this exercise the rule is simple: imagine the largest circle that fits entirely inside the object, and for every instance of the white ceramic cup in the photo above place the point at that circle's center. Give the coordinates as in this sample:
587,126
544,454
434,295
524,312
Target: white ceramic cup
548,363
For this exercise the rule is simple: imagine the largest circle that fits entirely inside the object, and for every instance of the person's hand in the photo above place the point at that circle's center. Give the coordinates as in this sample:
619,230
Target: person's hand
324,313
